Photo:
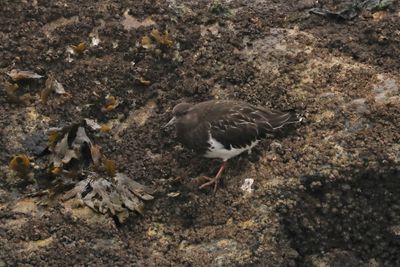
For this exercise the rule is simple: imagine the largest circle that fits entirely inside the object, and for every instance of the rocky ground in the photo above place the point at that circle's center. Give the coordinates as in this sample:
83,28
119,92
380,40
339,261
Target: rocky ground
325,195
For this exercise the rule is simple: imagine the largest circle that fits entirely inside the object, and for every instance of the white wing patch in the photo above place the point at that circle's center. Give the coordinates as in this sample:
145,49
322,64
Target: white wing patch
217,150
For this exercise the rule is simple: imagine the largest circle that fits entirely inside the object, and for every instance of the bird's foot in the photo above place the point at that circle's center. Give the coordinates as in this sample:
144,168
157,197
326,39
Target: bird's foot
211,181
214,180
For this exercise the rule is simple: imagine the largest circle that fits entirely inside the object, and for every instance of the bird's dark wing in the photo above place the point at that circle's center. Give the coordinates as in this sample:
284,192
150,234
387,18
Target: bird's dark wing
236,130
244,123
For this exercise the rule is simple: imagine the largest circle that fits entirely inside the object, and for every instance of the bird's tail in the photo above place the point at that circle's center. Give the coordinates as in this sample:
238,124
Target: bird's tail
281,119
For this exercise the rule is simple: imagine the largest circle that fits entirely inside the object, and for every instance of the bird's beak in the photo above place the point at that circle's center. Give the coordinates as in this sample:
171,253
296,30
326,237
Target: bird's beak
171,122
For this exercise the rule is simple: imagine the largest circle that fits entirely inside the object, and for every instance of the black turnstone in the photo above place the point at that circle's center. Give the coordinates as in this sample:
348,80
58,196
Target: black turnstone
224,128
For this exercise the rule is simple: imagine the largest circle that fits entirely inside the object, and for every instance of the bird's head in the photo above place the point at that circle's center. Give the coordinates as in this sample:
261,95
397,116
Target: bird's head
181,114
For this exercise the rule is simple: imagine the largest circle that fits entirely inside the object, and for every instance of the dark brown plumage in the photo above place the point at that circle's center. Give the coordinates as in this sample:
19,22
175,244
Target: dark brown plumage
224,128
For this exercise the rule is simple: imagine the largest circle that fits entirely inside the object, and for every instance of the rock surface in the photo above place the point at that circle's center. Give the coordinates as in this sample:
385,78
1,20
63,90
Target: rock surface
327,193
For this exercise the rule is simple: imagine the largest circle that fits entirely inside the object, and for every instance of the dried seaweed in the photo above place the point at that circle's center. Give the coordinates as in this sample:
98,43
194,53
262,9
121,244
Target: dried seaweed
20,164
101,187
115,197
79,48
111,103
52,85
18,75
110,167
144,81
105,128
92,124
352,10
63,151
347,13
96,154
162,40
146,42
72,142
376,5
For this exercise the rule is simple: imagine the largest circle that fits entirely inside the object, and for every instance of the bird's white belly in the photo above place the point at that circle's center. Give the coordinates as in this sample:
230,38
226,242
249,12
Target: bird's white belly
217,150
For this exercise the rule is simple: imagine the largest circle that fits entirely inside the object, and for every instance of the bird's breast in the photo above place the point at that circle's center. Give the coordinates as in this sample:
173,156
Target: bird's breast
195,138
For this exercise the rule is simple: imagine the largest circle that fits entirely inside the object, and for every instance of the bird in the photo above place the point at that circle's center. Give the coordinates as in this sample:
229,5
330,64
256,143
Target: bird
224,129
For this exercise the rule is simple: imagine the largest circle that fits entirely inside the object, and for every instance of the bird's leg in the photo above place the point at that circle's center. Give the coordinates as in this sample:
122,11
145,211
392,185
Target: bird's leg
214,180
